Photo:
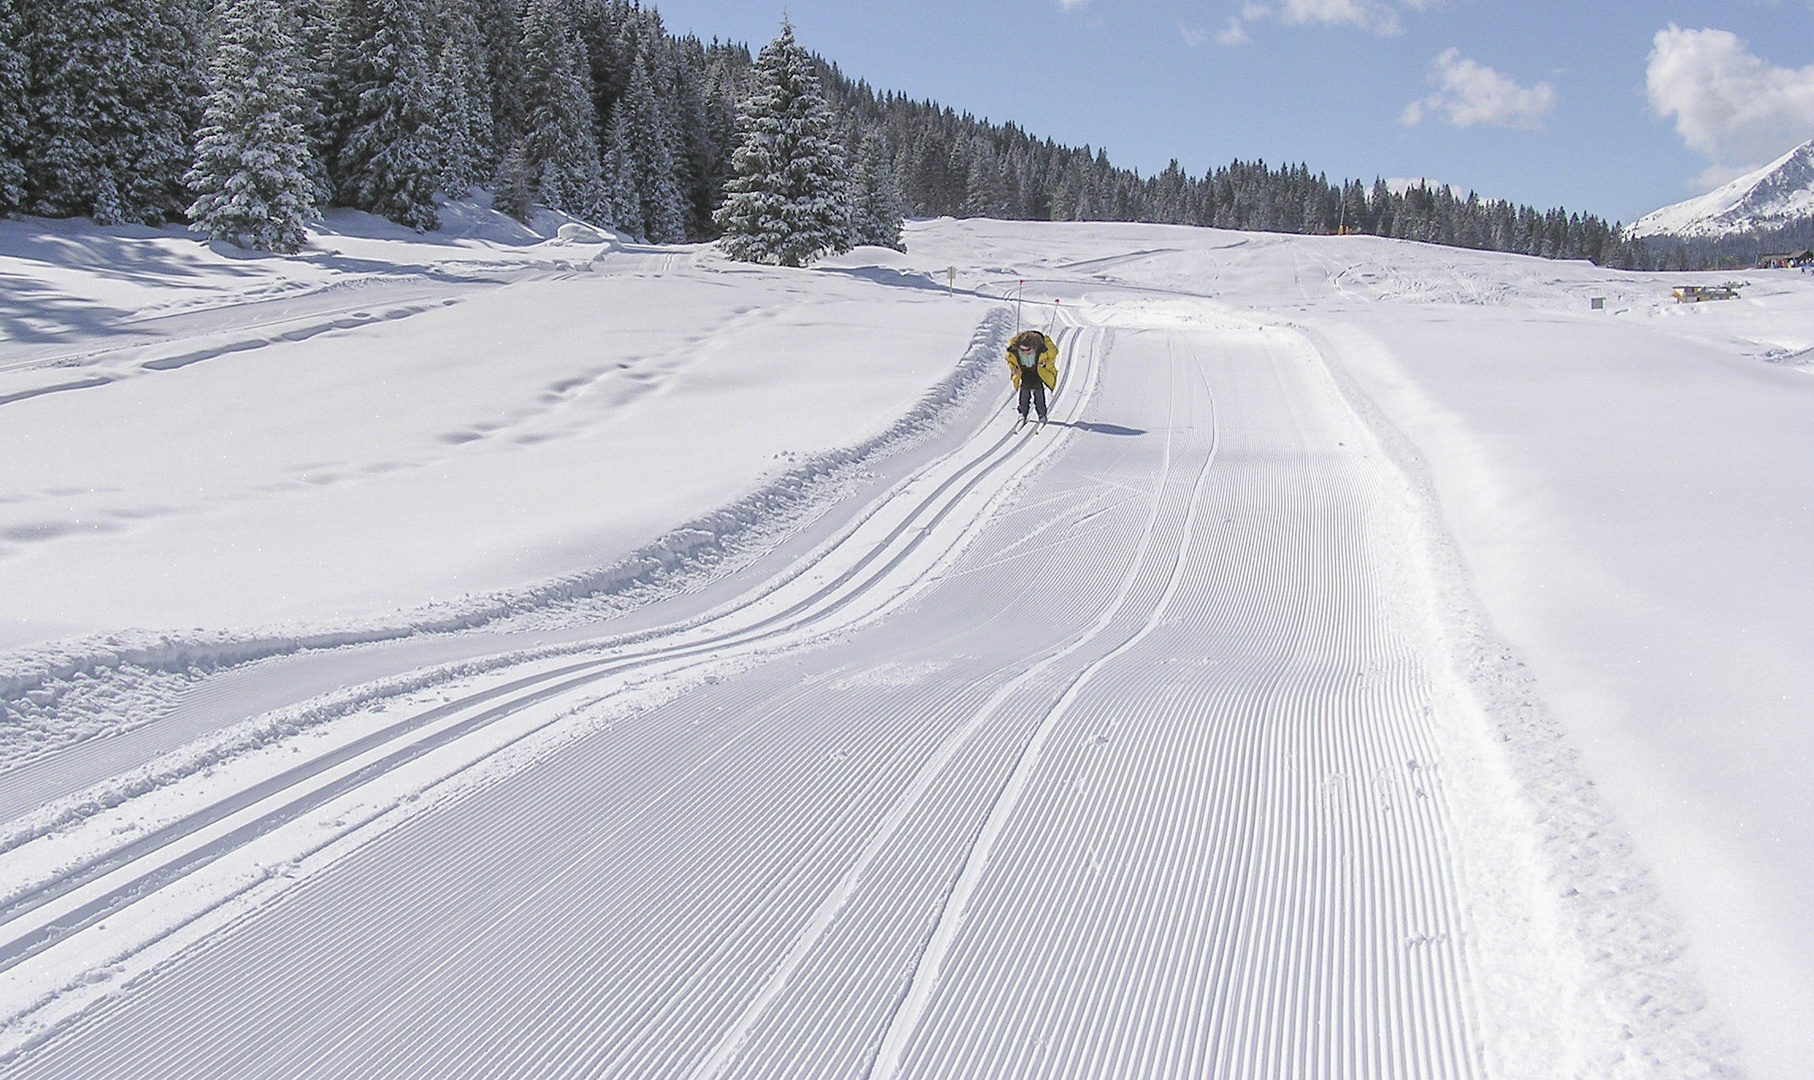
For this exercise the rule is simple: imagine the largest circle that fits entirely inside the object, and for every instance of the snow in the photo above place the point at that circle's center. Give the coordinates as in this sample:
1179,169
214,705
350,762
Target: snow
1780,193
1423,631
268,492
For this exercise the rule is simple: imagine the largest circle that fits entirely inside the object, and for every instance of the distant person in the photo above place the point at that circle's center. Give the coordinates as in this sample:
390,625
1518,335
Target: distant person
1033,362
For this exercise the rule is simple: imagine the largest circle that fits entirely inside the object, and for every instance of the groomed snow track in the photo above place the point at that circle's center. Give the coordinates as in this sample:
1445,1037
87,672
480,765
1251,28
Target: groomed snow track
1104,752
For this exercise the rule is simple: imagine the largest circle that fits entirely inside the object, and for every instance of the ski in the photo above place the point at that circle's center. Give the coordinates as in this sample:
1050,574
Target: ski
1018,424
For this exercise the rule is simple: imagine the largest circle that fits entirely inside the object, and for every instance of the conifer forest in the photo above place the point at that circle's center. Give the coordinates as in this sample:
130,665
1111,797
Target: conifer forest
247,117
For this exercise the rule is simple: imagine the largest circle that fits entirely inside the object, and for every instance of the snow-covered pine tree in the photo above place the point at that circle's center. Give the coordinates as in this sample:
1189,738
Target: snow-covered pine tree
609,32
1024,191
788,200
622,181
727,69
114,88
252,177
1381,208
1073,200
1169,194
514,195
462,99
652,139
12,109
878,215
984,194
560,146
389,160
927,179
314,75
343,31
501,31
699,157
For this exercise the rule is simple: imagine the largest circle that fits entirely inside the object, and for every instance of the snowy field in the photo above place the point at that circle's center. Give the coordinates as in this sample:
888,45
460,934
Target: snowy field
481,654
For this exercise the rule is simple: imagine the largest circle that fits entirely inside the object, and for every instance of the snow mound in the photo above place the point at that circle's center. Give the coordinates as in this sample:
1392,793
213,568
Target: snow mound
574,232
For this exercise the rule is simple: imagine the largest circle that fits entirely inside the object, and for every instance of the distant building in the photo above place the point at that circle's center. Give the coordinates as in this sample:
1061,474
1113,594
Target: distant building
1785,259
1694,294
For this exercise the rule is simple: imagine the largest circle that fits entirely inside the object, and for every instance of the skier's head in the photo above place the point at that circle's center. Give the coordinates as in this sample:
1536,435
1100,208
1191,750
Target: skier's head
1029,341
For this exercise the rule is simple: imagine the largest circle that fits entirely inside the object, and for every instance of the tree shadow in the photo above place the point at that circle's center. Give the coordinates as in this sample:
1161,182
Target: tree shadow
31,311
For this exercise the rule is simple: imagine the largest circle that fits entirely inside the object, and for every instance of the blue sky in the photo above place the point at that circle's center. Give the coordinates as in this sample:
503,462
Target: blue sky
1610,108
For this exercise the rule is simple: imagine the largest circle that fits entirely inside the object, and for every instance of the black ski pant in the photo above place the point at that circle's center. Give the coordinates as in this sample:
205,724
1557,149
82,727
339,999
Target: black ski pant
1032,389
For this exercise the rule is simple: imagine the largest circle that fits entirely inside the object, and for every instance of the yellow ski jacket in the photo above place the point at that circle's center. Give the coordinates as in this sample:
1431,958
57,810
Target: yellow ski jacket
1048,358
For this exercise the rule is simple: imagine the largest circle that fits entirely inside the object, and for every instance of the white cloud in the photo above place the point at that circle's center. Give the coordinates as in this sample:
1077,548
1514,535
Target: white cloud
1718,176
1469,93
1069,4
1192,37
1366,14
1737,109
1398,185
1378,16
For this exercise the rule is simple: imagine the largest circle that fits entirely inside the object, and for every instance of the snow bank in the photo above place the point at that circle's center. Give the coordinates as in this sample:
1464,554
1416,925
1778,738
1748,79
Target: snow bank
61,692
216,456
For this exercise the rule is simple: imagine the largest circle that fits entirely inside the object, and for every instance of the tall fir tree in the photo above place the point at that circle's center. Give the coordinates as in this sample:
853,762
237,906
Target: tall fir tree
252,176
113,88
727,68
878,214
788,200
699,157
650,130
560,144
314,74
463,99
515,196
609,32
984,190
13,115
501,31
622,180
389,158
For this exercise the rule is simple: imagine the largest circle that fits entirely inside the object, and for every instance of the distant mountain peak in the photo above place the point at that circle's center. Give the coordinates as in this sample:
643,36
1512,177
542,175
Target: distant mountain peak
1781,193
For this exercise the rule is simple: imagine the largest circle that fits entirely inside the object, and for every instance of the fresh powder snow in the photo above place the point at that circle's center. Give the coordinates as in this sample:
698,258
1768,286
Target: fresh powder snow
510,651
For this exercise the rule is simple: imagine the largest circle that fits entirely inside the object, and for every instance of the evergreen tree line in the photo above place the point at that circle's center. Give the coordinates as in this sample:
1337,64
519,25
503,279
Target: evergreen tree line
250,114
1735,252
954,164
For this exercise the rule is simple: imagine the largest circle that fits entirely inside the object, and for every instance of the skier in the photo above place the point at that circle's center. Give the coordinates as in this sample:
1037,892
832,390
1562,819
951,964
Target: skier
1033,364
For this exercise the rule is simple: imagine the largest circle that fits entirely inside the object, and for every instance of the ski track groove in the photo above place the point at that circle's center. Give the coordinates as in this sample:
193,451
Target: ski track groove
926,980
803,614
1197,850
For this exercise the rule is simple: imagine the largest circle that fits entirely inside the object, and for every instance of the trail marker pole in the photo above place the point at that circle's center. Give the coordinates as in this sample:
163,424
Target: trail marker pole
951,281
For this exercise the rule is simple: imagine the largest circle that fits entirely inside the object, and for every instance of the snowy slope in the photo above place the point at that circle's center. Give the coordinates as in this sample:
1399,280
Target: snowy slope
483,401
1781,193
1383,666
